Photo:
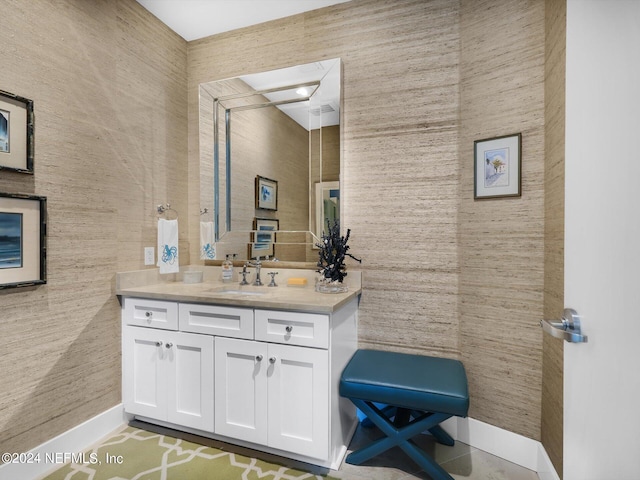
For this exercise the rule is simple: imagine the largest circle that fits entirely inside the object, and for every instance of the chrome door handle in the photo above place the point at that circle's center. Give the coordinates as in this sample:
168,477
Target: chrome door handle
568,328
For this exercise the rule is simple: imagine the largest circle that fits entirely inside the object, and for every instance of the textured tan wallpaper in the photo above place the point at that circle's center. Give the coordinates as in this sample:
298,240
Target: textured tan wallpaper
400,137
443,275
501,241
553,348
108,83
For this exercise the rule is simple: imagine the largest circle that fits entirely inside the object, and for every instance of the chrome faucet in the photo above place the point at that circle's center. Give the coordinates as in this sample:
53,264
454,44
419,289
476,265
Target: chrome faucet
257,264
244,274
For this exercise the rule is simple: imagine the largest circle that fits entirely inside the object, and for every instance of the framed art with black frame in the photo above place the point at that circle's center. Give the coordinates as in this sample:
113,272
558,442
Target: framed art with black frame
16,133
23,231
266,193
497,165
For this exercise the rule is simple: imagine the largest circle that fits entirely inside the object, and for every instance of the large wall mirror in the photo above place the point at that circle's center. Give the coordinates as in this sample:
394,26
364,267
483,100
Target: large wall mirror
270,161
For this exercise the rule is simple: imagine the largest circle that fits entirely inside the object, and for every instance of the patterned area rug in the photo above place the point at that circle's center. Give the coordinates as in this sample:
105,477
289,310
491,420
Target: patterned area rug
135,454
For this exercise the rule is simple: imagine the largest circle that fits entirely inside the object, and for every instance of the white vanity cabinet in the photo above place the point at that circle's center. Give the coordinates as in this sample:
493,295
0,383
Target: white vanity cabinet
275,395
167,375
263,378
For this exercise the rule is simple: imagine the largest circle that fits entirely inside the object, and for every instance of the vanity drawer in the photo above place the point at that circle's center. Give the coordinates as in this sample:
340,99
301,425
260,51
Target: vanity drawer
216,320
150,313
293,328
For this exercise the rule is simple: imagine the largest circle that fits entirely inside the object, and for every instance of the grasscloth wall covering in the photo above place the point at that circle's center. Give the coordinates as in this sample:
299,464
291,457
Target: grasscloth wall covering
553,349
108,83
443,274
116,102
501,240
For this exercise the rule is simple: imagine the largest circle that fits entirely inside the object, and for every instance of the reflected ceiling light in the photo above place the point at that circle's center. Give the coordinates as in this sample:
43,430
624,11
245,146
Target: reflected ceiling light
303,92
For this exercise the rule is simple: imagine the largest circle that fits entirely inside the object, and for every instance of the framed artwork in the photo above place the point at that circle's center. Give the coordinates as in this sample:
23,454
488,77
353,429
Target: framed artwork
16,133
497,164
266,193
22,240
263,237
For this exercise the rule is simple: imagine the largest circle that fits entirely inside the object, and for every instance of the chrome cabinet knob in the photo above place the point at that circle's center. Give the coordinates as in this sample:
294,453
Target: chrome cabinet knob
169,345
259,358
272,360
159,343
289,328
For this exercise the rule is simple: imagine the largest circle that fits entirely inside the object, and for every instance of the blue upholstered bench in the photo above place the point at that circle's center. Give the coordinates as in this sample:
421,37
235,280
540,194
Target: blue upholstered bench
420,391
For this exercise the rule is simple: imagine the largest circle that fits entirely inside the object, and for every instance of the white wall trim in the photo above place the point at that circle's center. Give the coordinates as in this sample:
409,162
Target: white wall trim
546,470
515,448
518,449
72,441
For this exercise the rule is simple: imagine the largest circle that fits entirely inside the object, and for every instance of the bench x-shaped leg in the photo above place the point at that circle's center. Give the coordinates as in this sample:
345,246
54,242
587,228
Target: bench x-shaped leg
401,437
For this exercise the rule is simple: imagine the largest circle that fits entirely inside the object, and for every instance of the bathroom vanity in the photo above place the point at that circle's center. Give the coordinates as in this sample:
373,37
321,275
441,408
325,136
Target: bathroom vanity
252,366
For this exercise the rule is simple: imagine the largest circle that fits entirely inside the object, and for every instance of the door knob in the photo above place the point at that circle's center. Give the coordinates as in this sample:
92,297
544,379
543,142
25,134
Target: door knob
568,328
272,360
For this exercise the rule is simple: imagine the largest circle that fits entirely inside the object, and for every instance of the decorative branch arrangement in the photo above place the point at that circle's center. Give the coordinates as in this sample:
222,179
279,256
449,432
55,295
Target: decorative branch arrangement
333,251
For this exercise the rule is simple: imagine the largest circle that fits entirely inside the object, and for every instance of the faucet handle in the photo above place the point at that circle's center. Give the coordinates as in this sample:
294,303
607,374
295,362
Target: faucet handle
273,279
244,274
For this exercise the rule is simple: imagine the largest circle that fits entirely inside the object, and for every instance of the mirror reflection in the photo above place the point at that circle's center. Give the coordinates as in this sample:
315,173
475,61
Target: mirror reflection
270,161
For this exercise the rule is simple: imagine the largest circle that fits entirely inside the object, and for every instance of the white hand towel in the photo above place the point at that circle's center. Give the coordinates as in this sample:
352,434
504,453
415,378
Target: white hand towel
207,246
168,246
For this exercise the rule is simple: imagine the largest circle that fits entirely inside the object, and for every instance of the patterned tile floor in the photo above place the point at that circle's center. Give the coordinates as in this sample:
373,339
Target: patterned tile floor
461,461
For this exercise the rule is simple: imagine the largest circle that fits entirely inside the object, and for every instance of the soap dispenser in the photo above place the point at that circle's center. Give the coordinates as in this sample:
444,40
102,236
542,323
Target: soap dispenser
227,270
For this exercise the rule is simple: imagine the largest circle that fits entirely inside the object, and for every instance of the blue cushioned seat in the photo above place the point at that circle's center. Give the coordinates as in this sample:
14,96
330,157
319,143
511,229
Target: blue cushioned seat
421,392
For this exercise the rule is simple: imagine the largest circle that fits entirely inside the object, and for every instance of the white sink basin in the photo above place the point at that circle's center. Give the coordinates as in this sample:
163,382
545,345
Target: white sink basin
237,291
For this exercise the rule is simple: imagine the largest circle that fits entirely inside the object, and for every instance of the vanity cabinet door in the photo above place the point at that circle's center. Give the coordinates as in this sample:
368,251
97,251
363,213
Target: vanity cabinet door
189,362
298,390
275,395
143,381
168,376
241,389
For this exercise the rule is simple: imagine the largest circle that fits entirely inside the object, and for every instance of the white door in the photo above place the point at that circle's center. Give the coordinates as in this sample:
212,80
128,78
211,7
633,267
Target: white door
299,400
189,367
602,240
143,380
241,389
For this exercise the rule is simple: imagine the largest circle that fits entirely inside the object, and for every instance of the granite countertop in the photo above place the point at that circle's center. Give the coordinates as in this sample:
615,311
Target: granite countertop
150,284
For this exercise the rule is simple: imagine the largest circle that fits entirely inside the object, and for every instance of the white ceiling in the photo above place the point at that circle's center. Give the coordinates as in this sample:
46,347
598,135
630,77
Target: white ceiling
194,19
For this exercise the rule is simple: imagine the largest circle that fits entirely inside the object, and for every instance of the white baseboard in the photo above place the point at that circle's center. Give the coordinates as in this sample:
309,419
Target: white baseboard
515,448
546,470
50,455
